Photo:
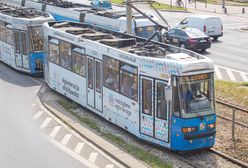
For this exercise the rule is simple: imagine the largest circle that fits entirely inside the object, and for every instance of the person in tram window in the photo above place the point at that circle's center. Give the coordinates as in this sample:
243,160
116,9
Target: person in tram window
111,81
126,87
66,61
134,89
79,66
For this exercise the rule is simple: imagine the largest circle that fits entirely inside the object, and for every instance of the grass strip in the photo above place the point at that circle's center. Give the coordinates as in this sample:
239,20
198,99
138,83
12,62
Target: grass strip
234,92
138,152
160,6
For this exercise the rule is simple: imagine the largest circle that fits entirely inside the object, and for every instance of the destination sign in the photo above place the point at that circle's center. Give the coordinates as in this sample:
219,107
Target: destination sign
195,77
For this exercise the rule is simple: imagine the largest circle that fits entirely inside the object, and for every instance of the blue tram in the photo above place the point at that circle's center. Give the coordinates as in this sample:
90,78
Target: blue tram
157,92
115,20
21,38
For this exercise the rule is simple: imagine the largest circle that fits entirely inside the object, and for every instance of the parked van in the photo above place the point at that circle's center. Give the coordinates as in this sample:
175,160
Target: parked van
210,25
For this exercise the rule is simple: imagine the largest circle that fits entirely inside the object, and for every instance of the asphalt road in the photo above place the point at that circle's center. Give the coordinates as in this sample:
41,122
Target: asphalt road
231,50
23,144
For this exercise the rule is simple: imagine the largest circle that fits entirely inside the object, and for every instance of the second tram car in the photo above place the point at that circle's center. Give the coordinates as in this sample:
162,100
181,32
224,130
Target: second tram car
115,20
21,38
159,93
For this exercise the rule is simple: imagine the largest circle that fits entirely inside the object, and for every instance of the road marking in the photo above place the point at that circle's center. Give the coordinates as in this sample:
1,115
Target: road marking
84,161
46,122
230,74
217,72
37,115
93,156
79,147
55,131
244,77
109,166
66,138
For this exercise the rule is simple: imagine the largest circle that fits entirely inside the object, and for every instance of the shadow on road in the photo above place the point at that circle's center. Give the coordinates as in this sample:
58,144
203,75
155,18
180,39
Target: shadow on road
12,76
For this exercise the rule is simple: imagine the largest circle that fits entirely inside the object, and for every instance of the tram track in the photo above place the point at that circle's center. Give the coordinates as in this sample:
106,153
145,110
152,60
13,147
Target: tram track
229,158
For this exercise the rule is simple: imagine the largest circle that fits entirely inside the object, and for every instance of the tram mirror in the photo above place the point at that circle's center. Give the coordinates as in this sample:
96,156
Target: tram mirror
168,93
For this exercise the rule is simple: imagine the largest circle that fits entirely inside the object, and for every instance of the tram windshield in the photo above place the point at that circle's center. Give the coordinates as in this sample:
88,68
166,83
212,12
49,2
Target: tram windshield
146,32
195,95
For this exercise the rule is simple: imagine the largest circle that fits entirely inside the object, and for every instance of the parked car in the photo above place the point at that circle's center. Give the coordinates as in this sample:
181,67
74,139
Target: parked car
210,25
105,4
189,38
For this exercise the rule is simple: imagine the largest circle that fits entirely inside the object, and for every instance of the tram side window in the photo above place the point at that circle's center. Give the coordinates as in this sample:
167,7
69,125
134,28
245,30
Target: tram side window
2,33
53,51
9,36
128,81
24,44
147,96
161,102
176,104
36,38
65,54
111,73
17,43
98,77
79,63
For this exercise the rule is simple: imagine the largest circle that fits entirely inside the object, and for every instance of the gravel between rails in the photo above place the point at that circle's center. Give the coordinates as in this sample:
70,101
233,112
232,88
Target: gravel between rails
204,159
239,148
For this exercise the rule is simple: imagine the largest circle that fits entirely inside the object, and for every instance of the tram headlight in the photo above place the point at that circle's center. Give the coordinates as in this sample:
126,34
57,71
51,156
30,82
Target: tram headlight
189,129
211,126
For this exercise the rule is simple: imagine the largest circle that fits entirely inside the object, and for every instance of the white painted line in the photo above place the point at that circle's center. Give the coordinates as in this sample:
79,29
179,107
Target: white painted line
55,131
84,161
217,72
109,166
93,156
37,115
79,147
230,74
46,122
66,138
244,77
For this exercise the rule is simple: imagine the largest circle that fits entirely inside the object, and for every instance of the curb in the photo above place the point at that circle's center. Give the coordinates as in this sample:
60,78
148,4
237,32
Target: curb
73,125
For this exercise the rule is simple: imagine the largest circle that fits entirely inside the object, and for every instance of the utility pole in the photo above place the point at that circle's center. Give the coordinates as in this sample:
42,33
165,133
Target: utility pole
129,17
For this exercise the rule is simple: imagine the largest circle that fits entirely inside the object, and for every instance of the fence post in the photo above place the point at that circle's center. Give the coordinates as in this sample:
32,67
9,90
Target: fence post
233,125
243,10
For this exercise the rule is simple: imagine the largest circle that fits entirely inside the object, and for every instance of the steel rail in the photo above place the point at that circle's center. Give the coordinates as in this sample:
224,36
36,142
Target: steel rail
231,105
233,160
237,122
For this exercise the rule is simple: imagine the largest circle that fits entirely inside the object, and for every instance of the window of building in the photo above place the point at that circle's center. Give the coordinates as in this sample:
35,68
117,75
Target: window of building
65,54
54,51
78,61
36,38
147,96
161,101
128,81
111,73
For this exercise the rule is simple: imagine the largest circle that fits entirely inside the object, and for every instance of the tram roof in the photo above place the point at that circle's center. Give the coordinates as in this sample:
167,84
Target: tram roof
21,12
124,42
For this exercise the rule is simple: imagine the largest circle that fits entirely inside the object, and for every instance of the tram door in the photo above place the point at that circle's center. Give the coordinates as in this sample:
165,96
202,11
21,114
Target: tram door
21,51
153,110
94,83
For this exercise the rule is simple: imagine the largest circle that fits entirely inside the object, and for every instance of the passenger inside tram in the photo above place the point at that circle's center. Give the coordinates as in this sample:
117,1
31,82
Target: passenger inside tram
194,98
111,81
79,66
126,87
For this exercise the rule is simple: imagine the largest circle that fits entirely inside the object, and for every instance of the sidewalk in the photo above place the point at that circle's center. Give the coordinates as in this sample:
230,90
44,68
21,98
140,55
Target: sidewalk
48,100
213,8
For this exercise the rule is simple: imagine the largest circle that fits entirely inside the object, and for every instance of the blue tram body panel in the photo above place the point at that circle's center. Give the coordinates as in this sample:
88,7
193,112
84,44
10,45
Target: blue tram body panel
63,18
202,138
34,59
